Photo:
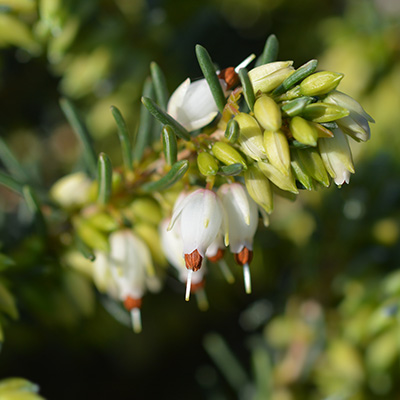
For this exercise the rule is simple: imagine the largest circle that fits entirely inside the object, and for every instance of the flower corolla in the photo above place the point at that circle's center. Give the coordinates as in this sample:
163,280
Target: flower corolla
193,105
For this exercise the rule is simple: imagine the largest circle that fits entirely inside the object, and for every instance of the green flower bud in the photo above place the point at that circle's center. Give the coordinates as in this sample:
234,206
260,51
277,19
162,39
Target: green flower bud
145,209
299,170
91,236
227,154
259,188
313,165
323,112
267,77
303,131
103,222
149,234
268,113
320,83
207,164
277,149
250,137
284,182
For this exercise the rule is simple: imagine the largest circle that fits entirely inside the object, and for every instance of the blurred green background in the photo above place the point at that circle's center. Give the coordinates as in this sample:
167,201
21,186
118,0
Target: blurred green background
323,319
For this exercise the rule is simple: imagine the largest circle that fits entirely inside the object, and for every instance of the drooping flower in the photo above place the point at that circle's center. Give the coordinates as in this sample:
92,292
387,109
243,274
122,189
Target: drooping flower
242,214
200,215
193,105
356,124
172,244
132,270
336,155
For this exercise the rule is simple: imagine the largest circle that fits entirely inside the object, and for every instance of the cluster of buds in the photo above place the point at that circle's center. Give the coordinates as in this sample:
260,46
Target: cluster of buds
230,141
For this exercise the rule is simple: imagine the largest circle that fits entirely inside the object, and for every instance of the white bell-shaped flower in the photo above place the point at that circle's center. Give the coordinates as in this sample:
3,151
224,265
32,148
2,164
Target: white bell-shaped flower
242,214
130,263
193,105
200,217
336,155
172,244
356,124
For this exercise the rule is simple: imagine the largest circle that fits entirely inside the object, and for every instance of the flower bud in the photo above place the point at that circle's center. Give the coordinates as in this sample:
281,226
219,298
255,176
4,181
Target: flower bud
149,234
250,136
259,188
277,149
303,131
313,164
320,83
268,113
336,155
71,190
207,164
284,182
91,236
299,171
322,112
145,209
356,124
267,77
103,222
227,154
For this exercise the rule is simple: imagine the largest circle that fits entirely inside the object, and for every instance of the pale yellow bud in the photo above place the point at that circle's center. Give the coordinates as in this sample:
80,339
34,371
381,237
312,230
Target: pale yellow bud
303,131
250,136
277,149
207,164
284,182
227,154
259,188
267,77
149,234
313,164
268,113
320,83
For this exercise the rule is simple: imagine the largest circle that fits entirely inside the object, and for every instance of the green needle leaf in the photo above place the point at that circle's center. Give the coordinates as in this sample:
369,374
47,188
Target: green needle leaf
11,163
160,85
209,73
296,106
232,131
170,145
301,73
165,118
34,206
247,88
81,131
173,175
270,52
9,182
104,179
231,170
84,249
144,133
123,138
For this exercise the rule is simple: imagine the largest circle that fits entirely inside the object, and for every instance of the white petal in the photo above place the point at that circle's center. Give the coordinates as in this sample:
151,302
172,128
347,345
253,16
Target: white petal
241,228
176,100
202,206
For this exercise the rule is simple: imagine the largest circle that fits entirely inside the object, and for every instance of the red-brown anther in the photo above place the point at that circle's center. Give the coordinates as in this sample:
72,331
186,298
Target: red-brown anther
230,77
130,303
244,257
193,260
218,256
197,286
